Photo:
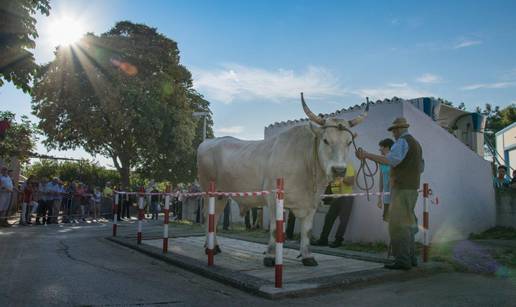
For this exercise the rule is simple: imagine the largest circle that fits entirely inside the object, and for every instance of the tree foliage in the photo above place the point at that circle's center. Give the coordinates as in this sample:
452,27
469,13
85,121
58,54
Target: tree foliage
124,95
20,138
17,35
498,118
83,171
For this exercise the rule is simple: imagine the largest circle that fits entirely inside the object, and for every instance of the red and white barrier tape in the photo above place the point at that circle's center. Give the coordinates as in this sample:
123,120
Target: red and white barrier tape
354,194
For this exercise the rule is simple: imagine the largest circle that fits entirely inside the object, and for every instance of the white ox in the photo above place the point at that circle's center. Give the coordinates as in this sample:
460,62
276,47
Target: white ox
308,157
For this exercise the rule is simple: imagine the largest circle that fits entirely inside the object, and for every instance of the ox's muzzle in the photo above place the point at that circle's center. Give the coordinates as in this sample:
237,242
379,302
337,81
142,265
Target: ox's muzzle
338,171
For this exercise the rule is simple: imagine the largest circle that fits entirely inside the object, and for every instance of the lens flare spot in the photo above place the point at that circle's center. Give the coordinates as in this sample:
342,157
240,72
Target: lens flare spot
127,68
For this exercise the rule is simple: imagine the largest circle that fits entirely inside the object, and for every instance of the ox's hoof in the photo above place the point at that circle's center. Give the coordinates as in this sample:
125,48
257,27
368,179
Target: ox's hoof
269,261
216,250
309,262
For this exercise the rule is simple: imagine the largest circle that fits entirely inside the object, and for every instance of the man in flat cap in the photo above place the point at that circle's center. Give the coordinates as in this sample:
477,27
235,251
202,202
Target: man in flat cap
406,161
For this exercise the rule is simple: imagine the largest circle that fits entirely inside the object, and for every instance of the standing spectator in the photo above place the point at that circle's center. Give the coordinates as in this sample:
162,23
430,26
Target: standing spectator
69,190
513,181
96,203
385,185
83,200
42,202
27,198
195,188
154,204
6,189
502,180
340,207
56,192
126,205
177,204
227,215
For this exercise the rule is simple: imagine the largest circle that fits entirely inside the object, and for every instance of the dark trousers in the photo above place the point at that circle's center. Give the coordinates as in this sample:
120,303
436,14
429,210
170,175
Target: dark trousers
227,214
247,219
44,209
340,207
177,207
198,213
126,206
291,223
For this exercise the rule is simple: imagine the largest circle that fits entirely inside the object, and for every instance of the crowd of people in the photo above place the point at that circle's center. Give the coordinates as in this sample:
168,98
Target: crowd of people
53,201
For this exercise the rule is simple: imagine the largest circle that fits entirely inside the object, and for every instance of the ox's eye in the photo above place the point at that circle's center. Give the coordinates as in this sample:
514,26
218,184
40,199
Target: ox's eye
326,142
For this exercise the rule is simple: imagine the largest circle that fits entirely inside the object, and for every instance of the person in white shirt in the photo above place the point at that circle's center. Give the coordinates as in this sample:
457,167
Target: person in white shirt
6,188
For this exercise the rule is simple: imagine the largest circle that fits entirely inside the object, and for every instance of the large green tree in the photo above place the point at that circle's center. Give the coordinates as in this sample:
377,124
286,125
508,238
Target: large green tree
19,140
17,35
124,95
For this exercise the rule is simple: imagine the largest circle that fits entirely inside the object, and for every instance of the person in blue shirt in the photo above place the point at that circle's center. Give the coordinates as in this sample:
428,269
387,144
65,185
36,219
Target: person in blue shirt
502,180
385,185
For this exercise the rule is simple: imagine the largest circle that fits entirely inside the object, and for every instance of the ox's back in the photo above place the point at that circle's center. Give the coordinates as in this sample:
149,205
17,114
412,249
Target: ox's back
241,166
235,165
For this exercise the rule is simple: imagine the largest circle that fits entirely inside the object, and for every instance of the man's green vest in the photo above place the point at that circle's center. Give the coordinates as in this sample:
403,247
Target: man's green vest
406,175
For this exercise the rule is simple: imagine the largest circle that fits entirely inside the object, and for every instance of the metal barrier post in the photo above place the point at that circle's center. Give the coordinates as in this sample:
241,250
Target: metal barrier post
211,223
278,280
166,219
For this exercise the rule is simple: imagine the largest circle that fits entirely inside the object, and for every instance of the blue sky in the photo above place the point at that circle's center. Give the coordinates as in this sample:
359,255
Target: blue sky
251,59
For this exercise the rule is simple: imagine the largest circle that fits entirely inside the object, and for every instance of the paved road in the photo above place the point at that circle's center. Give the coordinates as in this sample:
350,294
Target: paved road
75,266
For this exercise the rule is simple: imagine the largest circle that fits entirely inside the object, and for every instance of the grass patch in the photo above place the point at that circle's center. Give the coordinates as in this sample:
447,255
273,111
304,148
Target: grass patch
376,247
495,233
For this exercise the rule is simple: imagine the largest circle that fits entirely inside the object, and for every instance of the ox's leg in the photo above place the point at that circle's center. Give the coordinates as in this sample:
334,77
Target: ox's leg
304,246
270,258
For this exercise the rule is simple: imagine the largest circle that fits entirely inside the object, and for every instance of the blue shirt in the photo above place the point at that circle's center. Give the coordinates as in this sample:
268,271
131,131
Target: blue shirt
504,183
385,171
399,151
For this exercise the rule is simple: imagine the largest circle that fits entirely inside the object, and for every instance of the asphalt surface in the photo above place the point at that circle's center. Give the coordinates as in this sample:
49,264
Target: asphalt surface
75,266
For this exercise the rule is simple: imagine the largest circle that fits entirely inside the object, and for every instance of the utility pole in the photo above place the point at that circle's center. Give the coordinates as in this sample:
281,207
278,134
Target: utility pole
203,115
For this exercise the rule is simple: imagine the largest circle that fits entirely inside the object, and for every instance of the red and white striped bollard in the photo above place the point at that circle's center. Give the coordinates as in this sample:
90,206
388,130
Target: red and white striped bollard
426,234
140,215
278,280
211,223
115,215
166,211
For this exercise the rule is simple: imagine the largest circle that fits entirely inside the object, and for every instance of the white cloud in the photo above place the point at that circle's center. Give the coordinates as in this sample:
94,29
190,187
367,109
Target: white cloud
466,43
239,82
488,86
230,130
401,90
429,78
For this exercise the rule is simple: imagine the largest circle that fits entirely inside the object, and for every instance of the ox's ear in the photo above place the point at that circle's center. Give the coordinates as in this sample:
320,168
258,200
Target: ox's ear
316,129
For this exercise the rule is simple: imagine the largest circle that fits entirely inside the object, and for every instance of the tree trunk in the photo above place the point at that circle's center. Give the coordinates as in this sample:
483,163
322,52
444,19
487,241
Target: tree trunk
124,176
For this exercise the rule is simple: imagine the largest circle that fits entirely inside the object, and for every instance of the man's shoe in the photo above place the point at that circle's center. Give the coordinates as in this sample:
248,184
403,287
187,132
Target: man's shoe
396,266
335,244
320,242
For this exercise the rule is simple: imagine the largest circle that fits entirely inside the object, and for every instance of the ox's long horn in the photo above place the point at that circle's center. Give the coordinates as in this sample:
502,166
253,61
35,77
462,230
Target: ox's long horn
316,119
360,118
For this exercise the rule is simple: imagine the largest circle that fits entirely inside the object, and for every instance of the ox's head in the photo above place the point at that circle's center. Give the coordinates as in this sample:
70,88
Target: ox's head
334,139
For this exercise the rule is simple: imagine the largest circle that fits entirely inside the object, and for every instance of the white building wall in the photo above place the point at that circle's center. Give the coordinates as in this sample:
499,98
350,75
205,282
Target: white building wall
460,178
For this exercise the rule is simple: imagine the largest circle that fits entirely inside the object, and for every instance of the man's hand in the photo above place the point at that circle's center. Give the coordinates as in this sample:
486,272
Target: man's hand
379,204
360,153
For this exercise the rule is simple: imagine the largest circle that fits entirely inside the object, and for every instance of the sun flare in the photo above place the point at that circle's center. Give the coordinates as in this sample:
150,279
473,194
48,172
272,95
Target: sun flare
65,31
